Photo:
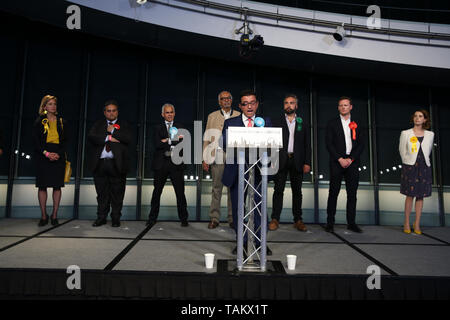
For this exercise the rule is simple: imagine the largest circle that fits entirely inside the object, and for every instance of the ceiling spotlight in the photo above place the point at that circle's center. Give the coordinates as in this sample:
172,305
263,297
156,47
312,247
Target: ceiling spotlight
248,45
141,1
339,34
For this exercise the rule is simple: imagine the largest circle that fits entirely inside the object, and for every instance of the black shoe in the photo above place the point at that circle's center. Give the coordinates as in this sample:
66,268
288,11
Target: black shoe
150,223
184,223
115,223
43,222
329,228
268,251
354,228
54,222
99,222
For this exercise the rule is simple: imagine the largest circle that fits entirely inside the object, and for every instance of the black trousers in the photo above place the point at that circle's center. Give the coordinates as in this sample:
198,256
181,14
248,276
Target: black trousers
351,176
169,170
110,187
280,178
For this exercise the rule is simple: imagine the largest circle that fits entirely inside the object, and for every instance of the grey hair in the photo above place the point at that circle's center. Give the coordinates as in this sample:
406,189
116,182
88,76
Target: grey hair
167,105
218,96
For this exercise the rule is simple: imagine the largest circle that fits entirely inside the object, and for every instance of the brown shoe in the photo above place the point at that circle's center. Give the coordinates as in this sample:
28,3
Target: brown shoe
213,224
299,225
273,225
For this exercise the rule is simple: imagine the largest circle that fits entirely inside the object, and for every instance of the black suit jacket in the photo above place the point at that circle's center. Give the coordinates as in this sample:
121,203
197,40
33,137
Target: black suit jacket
160,133
40,138
302,144
335,141
97,136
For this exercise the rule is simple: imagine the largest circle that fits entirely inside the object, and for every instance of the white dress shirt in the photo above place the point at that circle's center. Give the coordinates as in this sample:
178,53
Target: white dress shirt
226,115
347,134
105,154
167,127
291,127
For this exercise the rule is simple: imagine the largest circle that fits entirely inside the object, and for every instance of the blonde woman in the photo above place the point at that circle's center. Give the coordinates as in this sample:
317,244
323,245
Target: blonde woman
49,156
416,178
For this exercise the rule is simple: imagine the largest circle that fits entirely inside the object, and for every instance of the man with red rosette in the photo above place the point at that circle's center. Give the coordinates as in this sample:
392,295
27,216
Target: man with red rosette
109,162
345,143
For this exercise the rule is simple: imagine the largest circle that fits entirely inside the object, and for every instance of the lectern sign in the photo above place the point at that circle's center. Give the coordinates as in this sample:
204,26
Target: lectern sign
254,137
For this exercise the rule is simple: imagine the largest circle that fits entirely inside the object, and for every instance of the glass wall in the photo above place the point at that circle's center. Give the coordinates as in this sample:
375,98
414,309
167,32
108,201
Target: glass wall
394,105
84,72
329,90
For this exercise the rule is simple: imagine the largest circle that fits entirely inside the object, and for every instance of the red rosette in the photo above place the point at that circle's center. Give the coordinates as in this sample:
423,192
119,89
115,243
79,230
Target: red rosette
353,127
116,126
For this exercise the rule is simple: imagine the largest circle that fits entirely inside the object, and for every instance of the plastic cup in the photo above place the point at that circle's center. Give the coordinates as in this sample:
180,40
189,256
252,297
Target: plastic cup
291,261
209,260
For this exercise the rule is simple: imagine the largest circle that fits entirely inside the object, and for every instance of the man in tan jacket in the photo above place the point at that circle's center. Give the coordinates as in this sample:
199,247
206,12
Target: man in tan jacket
214,157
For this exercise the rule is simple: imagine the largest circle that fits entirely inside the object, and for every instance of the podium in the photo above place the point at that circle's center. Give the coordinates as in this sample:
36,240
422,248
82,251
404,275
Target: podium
251,145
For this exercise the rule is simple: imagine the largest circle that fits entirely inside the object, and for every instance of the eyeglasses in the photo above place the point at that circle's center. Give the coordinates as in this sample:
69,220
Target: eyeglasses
252,103
225,98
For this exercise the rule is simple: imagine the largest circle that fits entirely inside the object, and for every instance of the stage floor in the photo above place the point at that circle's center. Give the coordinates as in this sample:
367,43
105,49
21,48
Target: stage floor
168,247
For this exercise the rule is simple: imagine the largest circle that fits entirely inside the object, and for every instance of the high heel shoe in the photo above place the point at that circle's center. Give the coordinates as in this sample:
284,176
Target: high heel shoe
54,222
43,222
416,231
407,231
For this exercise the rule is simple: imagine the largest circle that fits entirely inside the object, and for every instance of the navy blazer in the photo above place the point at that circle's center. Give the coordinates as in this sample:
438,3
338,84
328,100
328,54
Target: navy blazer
335,141
231,171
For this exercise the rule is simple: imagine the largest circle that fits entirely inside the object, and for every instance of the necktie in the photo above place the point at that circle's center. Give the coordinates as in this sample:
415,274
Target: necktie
250,122
107,145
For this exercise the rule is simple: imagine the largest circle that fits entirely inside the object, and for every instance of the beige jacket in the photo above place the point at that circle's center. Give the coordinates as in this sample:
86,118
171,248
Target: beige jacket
405,146
213,132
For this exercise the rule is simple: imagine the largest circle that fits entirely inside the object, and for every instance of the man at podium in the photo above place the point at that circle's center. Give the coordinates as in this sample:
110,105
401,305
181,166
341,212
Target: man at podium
248,105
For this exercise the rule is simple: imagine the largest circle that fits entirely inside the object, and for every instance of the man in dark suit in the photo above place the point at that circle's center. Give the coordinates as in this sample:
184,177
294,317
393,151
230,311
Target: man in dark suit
248,105
345,143
109,162
164,167
295,159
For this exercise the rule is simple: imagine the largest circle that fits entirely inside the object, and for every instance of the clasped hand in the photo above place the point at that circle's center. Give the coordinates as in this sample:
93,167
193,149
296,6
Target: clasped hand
345,163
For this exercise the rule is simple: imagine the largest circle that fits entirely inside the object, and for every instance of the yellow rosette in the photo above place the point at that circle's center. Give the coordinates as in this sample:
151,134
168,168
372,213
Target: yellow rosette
45,124
414,144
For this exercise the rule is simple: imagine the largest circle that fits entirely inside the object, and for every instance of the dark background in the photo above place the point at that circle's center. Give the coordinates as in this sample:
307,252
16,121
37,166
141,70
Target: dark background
143,66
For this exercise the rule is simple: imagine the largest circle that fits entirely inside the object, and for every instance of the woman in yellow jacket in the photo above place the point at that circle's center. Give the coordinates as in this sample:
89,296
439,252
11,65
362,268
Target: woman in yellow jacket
416,178
49,156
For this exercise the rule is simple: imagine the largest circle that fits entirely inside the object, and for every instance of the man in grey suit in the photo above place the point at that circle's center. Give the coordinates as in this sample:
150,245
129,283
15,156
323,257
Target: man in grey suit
214,157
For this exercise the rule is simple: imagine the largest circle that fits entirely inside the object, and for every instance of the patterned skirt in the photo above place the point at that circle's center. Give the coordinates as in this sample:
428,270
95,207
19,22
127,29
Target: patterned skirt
416,180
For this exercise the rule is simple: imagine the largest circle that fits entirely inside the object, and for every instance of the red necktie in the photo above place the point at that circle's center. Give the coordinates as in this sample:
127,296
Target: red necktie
250,122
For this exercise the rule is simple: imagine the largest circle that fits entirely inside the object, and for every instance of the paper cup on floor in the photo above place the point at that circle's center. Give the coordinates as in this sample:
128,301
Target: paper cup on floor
291,261
209,260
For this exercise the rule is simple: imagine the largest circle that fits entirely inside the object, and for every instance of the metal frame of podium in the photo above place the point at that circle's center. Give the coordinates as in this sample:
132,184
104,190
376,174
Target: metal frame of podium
246,214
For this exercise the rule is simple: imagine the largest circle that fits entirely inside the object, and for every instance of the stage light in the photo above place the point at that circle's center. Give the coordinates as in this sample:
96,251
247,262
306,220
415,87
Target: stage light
16,152
359,169
196,178
400,166
381,172
394,168
311,172
23,154
247,45
185,177
387,170
208,177
320,176
364,167
339,34
191,177
141,1
28,157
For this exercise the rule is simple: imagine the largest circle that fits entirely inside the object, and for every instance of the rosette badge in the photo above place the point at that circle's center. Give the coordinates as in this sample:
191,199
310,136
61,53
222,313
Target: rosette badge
299,121
414,144
259,122
173,132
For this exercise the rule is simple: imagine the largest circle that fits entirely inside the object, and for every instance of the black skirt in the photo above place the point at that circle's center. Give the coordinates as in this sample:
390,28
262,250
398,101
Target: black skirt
50,174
